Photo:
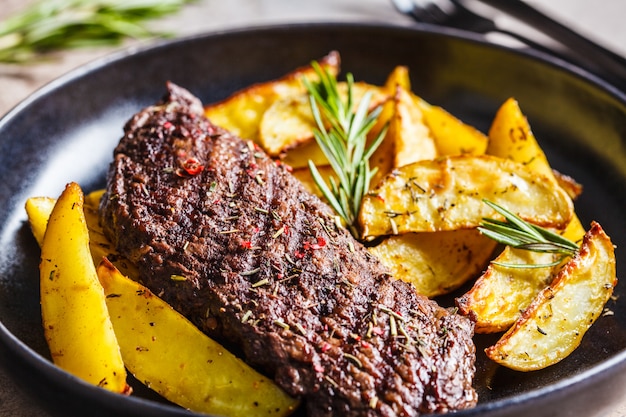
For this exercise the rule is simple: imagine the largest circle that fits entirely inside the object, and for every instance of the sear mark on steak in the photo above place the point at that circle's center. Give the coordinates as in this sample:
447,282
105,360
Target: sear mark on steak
232,241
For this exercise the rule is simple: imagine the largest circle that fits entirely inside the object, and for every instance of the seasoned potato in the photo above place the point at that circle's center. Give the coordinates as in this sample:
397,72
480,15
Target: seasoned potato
305,177
435,263
289,122
382,159
411,137
300,156
171,356
447,194
99,244
499,296
557,319
510,136
569,184
38,210
241,113
451,135
75,318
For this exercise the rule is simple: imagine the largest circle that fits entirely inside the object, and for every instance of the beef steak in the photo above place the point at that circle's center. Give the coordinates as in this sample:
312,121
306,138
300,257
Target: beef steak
232,241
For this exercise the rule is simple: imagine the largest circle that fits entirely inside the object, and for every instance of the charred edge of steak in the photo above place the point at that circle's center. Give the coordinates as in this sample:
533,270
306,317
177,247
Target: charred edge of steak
266,269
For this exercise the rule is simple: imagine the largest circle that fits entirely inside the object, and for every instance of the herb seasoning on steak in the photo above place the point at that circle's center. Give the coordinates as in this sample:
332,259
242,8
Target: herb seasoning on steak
232,241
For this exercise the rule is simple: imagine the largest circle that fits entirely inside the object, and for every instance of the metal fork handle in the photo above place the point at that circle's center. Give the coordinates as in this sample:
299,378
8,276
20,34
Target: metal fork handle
591,56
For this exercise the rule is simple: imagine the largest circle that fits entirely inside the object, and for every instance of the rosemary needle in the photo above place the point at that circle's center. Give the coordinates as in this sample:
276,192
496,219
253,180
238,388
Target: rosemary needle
520,234
51,25
343,143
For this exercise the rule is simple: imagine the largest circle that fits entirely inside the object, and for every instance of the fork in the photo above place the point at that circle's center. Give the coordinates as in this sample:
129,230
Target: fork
580,51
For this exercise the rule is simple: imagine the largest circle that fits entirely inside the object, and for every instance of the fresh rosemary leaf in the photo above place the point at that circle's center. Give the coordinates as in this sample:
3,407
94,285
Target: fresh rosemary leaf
341,134
51,25
520,234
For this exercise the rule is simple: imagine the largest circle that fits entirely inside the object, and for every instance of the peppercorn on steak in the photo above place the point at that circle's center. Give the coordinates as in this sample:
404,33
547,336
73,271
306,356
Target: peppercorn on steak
232,240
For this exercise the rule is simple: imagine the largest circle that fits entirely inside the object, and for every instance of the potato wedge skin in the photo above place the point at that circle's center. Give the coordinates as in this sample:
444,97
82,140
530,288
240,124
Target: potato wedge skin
447,194
557,319
435,263
171,356
241,113
76,322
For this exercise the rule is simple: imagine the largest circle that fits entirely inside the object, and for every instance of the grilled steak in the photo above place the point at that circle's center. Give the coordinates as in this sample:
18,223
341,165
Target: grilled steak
231,240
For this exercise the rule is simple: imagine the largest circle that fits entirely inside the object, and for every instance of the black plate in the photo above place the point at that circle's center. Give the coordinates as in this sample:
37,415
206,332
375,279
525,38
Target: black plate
66,132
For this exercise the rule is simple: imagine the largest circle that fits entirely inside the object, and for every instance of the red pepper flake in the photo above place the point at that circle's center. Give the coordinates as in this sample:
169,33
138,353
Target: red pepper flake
321,242
168,125
192,166
286,230
365,344
325,347
299,255
246,244
319,369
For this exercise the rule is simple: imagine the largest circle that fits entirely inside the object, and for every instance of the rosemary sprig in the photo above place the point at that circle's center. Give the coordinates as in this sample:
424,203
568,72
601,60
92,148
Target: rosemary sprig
343,143
520,234
51,25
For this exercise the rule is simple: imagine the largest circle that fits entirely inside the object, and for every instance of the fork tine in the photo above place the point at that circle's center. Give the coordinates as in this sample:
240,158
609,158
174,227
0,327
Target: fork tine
428,11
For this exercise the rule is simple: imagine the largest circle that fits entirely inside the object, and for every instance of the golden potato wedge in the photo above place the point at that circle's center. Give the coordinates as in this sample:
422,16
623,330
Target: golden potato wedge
447,194
305,177
412,138
573,188
451,135
289,122
241,113
511,137
300,156
38,210
171,356
76,321
558,318
435,263
99,244
498,297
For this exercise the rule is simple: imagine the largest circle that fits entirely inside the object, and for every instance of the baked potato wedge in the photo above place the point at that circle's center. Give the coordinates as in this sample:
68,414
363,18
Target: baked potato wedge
448,193
76,321
288,121
411,137
511,137
451,135
241,113
306,178
435,263
558,318
38,210
171,356
498,297
500,294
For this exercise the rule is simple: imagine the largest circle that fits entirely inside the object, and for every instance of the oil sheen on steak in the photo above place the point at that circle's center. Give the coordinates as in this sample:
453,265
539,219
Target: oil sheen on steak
231,240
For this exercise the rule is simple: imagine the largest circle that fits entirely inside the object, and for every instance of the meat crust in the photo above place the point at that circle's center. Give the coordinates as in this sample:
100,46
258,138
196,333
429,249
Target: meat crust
232,241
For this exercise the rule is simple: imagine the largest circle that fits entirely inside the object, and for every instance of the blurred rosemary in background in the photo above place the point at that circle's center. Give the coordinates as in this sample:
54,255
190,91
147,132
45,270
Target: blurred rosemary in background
52,25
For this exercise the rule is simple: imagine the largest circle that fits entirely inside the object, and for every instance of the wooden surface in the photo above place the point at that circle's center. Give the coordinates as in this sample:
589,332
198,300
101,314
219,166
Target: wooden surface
602,21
